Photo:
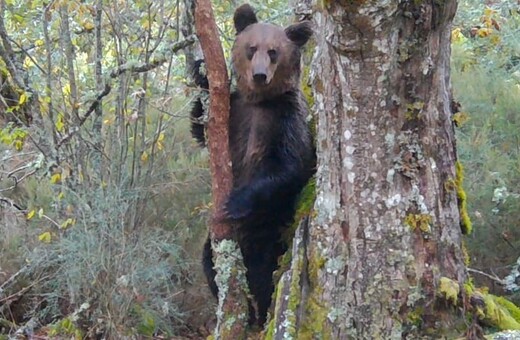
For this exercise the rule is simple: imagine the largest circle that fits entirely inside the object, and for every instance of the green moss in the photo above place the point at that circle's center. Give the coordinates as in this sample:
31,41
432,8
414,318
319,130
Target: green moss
303,208
513,309
419,221
413,111
465,254
293,296
469,288
315,264
316,314
306,200
306,87
269,330
65,326
315,318
497,313
465,221
415,317
449,289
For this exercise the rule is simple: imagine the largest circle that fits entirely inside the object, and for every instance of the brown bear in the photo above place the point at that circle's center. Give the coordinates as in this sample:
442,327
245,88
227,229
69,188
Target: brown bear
271,147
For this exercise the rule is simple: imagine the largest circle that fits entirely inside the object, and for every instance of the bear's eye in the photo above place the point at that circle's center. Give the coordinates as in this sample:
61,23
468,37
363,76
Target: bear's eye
251,50
273,55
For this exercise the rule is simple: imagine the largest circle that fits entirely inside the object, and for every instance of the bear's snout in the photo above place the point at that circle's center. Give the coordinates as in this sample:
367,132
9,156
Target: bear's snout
260,78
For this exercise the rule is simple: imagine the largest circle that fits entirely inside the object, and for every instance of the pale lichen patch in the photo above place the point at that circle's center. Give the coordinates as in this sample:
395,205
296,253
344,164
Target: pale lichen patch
390,139
393,201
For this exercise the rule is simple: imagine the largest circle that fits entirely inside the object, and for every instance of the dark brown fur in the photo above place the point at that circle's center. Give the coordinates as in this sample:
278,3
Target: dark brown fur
271,148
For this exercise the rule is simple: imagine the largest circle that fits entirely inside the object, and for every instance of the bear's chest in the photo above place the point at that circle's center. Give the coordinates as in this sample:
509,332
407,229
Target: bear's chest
255,132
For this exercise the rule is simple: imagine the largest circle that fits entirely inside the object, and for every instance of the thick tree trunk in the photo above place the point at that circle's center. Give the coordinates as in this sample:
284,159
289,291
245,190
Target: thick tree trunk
386,231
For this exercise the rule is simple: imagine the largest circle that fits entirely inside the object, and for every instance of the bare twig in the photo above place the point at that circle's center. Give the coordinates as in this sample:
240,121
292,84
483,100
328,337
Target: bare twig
489,276
87,114
69,58
6,50
11,280
48,65
11,203
18,180
25,51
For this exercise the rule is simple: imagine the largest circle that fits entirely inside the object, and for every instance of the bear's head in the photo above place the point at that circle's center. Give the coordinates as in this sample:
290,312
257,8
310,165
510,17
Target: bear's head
266,57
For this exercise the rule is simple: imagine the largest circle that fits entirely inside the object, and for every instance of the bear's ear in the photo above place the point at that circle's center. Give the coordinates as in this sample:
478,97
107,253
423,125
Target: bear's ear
244,16
299,33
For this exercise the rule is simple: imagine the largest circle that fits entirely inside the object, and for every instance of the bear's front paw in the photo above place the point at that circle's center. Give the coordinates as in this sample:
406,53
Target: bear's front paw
239,205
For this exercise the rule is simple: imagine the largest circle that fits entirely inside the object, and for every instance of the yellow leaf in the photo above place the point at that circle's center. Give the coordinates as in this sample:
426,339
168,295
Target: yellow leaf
31,214
56,178
22,99
61,195
146,24
18,145
489,12
45,237
159,146
161,137
88,26
67,223
60,125
144,156
40,213
66,90
457,36
460,118
495,39
39,43
28,62
483,32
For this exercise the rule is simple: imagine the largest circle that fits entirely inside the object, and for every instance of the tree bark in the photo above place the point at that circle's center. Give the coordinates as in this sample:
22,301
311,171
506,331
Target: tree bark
232,313
386,229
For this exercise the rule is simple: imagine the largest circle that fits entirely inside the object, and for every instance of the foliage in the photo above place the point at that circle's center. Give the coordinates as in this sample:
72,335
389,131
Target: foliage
99,176
486,81
99,186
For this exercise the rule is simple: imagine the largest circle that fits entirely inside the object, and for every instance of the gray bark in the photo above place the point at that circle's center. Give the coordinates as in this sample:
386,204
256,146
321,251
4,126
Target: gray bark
386,225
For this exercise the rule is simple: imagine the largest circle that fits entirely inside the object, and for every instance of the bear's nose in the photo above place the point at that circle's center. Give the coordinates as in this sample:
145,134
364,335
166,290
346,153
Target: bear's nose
260,78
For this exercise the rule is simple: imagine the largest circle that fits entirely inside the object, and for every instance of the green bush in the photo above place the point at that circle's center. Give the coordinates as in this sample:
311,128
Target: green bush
486,81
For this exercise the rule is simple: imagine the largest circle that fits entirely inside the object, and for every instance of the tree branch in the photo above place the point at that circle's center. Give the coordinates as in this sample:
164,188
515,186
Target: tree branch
145,67
491,277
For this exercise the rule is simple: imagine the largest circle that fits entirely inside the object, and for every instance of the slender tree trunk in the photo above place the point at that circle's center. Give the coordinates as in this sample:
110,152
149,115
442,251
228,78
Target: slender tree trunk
97,123
232,313
385,237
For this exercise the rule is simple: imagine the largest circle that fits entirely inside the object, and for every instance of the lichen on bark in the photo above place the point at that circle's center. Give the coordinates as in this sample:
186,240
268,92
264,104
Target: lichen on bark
385,229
